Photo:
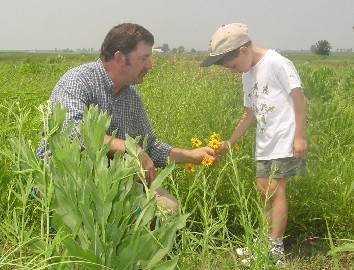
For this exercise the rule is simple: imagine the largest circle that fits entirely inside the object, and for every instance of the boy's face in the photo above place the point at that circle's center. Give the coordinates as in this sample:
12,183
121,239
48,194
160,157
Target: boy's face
242,63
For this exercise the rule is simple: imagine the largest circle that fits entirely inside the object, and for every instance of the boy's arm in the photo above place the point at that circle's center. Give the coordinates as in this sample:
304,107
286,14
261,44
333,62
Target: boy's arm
300,103
243,125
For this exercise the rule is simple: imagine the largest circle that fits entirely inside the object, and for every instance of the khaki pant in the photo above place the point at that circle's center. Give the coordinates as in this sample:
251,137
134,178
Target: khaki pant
281,167
166,200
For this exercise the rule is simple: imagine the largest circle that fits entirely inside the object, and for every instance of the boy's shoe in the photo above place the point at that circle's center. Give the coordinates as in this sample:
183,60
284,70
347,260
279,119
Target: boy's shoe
243,251
280,262
247,262
276,252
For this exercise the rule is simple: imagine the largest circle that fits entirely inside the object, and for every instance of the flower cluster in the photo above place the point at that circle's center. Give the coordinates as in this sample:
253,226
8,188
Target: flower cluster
189,167
237,147
196,142
213,142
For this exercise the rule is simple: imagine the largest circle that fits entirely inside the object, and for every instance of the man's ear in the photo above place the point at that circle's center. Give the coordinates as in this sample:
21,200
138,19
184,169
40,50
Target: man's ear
120,58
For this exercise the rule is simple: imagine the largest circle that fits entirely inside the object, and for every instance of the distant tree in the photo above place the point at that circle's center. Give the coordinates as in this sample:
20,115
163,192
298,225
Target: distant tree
165,48
313,48
174,50
180,49
193,50
323,47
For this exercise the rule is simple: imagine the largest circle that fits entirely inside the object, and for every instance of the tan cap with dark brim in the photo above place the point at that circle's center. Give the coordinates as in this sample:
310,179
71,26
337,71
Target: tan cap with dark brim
227,38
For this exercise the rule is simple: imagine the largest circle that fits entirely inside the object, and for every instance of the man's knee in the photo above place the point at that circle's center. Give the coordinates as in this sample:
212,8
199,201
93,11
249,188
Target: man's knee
166,200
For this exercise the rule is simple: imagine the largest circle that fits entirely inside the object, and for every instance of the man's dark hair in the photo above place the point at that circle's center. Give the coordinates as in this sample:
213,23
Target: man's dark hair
124,38
232,54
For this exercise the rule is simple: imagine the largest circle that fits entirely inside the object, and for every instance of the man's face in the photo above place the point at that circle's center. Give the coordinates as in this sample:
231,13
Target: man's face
138,63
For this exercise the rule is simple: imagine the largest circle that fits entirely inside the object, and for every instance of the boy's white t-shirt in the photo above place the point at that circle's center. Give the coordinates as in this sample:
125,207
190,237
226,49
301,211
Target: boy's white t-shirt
267,88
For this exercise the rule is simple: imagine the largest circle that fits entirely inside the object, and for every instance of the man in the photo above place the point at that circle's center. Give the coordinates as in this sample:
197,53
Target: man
125,59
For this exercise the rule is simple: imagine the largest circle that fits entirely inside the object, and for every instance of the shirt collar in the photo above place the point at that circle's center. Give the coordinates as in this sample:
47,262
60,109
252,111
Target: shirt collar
107,82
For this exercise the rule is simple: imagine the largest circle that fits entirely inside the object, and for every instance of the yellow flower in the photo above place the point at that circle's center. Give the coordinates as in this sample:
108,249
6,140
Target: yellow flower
214,143
207,161
214,136
237,147
196,142
189,167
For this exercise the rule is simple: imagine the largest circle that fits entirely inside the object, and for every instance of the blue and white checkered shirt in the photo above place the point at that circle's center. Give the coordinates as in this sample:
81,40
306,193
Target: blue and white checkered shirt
89,84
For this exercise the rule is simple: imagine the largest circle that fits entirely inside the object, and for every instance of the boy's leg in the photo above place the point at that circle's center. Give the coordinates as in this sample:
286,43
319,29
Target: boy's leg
274,197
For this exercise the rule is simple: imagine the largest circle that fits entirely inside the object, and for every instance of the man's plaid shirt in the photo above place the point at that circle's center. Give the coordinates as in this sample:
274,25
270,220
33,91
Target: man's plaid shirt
89,84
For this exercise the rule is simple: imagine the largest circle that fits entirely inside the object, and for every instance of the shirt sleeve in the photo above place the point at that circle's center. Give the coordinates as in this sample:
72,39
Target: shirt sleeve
157,150
288,76
70,94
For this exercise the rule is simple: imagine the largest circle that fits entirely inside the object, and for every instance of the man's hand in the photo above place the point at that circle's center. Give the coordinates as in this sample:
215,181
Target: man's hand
195,156
149,167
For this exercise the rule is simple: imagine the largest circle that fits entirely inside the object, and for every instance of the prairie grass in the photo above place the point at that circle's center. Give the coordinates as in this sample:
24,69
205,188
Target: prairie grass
185,101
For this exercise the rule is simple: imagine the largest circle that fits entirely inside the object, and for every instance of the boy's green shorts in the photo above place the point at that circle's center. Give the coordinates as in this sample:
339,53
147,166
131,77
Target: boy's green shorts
281,168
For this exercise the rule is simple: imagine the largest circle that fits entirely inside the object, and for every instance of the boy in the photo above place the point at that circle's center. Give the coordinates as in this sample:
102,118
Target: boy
274,98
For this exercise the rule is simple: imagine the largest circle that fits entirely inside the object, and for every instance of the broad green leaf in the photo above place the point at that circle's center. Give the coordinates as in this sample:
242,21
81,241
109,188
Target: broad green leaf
343,248
147,214
87,219
127,250
76,251
163,174
167,265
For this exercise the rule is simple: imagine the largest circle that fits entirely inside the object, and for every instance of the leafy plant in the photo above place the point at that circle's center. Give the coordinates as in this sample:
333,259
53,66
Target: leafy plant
100,216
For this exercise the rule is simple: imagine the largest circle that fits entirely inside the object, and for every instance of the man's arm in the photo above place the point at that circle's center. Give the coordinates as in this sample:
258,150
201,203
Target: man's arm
300,103
195,156
117,145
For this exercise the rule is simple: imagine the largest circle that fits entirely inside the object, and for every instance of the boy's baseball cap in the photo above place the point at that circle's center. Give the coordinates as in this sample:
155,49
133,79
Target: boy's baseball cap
227,38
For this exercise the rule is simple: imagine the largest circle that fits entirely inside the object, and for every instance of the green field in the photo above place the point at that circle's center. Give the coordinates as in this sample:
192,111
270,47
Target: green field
185,101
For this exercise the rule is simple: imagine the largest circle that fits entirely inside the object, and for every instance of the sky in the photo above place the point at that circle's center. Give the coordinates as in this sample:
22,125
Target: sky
274,24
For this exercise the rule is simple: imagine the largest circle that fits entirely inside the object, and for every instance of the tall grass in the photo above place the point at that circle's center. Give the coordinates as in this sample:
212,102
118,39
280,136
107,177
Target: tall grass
184,101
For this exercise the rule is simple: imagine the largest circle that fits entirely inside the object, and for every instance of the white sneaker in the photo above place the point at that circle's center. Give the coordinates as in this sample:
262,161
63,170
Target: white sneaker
276,252
280,262
246,262
243,251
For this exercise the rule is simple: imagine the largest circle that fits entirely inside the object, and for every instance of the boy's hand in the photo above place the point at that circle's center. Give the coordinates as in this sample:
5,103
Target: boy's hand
223,148
300,148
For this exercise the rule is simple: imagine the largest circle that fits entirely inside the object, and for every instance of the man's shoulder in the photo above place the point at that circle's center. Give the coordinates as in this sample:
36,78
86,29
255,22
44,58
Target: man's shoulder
84,68
81,74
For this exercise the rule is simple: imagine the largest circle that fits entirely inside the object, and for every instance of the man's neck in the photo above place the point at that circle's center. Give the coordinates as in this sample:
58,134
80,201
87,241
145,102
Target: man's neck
114,76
